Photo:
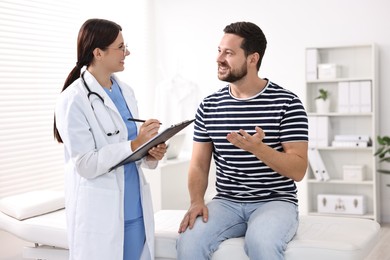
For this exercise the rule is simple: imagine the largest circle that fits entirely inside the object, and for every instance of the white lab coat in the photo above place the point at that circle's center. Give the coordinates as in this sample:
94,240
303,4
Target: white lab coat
94,196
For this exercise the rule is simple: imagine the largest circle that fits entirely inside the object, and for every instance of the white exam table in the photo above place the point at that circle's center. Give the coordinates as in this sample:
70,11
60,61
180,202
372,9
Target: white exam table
37,217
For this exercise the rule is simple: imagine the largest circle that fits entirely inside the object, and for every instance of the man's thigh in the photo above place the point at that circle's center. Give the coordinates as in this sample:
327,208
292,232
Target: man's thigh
273,221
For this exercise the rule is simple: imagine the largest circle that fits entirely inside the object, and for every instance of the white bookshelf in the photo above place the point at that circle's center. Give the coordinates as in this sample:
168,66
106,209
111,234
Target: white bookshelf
356,64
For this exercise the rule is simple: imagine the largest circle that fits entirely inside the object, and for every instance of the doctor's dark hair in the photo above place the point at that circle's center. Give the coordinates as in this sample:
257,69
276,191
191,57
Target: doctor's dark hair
254,38
94,33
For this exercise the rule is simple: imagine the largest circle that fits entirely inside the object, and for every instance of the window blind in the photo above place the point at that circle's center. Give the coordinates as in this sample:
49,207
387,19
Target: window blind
37,51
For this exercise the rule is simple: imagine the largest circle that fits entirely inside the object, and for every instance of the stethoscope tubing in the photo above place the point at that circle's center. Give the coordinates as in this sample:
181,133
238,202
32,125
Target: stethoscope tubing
90,93
89,90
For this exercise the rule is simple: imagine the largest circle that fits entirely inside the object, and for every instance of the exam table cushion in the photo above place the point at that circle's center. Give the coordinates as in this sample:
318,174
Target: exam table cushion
48,229
32,204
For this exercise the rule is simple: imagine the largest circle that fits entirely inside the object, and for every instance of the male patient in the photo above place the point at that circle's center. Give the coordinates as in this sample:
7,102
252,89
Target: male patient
257,133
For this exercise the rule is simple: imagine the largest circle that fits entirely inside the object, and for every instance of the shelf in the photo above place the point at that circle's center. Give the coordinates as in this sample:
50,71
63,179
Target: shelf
357,149
351,81
336,80
336,114
330,182
369,215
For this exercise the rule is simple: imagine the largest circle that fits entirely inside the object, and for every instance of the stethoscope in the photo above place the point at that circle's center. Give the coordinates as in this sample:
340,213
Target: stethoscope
90,93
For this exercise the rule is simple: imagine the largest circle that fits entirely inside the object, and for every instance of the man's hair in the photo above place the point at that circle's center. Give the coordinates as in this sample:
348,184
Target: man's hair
254,38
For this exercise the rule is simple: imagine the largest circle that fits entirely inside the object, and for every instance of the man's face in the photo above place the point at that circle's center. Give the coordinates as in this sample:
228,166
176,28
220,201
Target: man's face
232,63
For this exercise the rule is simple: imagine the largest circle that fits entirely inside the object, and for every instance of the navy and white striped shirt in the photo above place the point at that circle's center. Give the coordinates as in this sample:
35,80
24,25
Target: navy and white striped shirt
242,177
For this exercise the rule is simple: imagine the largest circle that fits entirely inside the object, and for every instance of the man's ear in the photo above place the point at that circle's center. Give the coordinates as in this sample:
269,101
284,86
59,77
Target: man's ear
254,58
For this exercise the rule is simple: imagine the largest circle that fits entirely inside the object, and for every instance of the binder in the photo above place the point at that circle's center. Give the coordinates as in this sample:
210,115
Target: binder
312,120
319,131
365,96
317,165
343,97
354,97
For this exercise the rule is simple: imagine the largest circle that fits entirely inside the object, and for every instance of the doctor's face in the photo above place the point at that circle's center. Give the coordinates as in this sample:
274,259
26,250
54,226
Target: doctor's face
115,54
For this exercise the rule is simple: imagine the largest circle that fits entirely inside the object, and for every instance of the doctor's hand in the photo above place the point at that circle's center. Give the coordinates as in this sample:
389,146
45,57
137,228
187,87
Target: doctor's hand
157,152
146,132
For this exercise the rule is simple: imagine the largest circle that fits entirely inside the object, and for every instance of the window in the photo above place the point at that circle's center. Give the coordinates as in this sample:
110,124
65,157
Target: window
37,51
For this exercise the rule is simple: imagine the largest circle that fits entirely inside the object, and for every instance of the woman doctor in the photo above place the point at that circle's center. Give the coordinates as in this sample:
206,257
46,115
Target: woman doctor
109,213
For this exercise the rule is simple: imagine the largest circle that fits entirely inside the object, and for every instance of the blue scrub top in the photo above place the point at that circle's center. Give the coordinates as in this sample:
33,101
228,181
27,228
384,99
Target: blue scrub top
132,207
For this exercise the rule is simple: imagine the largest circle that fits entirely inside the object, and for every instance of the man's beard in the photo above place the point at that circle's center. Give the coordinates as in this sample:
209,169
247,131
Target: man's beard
233,75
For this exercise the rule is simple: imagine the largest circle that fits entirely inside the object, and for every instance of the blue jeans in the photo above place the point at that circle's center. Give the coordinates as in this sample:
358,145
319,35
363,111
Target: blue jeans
267,227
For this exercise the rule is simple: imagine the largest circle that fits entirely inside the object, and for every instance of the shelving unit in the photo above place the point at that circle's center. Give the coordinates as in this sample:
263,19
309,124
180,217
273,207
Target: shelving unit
350,65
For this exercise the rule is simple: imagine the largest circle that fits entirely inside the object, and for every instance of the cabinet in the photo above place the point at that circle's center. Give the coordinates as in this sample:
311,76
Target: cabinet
168,184
349,74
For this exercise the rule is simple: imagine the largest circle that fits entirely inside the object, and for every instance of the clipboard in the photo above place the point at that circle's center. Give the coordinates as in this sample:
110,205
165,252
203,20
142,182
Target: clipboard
156,140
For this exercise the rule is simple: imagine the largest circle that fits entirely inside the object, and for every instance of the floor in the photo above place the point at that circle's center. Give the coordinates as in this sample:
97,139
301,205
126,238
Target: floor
10,246
382,250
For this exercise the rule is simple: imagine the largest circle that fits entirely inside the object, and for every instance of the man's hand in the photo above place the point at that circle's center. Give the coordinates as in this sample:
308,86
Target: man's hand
196,210
245,141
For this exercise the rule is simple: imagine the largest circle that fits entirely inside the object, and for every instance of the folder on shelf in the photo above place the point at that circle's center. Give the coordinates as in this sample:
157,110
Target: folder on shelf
365,96
317,165
319,131
343,97
354,96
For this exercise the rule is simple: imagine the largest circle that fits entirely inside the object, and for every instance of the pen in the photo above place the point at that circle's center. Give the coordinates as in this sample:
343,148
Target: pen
137,120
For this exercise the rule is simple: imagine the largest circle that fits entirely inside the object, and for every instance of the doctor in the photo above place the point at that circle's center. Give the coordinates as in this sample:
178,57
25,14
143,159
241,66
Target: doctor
109,214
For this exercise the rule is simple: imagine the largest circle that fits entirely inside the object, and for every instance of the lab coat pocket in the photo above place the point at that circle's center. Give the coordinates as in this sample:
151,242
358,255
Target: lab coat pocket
97,209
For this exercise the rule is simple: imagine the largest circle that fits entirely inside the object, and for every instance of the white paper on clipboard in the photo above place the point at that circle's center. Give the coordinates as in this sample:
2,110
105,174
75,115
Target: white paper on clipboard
158,139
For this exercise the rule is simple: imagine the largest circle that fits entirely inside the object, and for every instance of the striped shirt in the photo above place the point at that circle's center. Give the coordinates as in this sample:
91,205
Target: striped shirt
241,177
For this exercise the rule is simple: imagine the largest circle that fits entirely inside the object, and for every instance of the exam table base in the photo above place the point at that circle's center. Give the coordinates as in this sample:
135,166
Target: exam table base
45,252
